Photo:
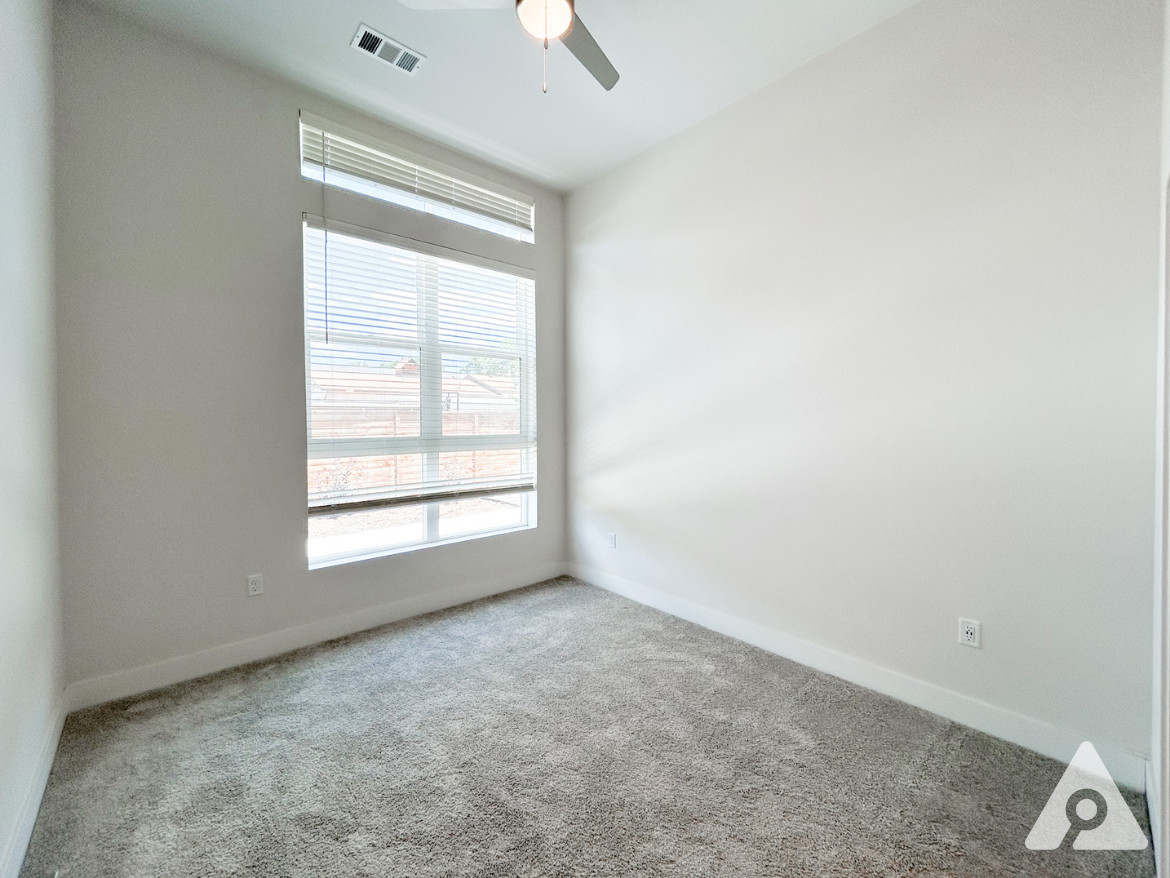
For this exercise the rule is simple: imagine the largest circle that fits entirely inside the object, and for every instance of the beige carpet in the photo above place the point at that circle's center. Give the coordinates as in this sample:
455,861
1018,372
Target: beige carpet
554,731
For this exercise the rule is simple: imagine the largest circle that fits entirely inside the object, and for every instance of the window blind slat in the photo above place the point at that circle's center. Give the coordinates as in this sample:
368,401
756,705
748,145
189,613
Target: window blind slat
420,374
383,165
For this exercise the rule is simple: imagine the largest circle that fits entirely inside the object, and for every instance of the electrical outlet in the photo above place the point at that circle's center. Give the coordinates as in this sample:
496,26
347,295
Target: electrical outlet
255,585
970,633
611,540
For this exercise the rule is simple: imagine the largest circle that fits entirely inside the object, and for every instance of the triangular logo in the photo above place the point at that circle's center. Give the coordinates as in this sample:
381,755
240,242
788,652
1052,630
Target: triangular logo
1087,807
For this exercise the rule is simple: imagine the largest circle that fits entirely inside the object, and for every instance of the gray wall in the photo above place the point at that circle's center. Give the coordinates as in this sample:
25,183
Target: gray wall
874,349
30,682
182,372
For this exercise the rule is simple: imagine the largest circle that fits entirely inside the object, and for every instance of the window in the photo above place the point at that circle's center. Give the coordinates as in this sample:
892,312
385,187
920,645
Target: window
420,376
346,160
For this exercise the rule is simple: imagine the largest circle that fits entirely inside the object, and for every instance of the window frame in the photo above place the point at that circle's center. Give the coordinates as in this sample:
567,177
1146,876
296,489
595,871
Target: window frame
435,236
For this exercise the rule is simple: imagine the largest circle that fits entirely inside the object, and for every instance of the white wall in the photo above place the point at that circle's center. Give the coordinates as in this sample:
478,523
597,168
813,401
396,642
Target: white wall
30,678
182,413
1159,793
874,349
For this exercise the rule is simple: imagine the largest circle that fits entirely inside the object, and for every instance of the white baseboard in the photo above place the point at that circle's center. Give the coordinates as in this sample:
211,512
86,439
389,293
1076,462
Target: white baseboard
1058,743
17,843
1154,807
134,681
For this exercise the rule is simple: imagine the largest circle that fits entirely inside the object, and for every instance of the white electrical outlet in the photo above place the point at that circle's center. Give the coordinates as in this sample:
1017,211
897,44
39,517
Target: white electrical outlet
970,633
611,540
255,584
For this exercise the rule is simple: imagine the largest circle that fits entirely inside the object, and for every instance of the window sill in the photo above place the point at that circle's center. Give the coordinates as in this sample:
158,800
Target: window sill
320,564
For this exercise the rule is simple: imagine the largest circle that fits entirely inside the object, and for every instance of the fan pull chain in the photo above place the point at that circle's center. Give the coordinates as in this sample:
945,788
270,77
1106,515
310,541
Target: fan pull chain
544,60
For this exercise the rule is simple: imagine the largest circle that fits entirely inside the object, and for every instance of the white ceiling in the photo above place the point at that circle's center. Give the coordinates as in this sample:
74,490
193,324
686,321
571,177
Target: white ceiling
479,89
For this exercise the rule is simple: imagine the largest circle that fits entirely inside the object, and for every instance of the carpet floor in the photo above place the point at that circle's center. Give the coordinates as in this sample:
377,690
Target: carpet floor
554,731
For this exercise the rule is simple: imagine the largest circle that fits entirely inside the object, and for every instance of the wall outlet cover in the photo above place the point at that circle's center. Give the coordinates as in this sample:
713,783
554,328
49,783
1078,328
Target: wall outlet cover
971,633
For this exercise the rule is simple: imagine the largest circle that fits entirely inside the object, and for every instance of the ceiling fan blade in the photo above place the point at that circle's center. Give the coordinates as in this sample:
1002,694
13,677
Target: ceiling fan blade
430,5
581,43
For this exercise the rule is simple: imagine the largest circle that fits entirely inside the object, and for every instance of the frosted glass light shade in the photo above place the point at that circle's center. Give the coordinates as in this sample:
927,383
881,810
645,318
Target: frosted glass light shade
545,19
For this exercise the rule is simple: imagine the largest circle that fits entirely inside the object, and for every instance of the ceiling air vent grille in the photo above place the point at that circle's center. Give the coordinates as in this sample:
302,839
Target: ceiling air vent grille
369,42
408,61
385,49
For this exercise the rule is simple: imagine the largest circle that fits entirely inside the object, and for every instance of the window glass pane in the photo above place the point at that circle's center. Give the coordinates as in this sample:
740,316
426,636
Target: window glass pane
365,531
361,163
353,478
481,308
469,467
481,396
393,195
480,514
372,288
358,390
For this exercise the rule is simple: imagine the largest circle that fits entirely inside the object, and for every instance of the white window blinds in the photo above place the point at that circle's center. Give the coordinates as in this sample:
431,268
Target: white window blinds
382,171
420,372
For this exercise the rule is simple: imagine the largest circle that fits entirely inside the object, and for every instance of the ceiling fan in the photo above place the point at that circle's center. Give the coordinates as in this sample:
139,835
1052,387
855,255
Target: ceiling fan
546,20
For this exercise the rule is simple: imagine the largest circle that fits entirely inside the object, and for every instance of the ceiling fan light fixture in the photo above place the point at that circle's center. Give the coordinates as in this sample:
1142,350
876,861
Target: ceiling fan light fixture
545,19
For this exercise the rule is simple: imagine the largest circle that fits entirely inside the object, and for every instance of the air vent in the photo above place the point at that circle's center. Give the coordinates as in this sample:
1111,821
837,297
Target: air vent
385,49
408,61
369,42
